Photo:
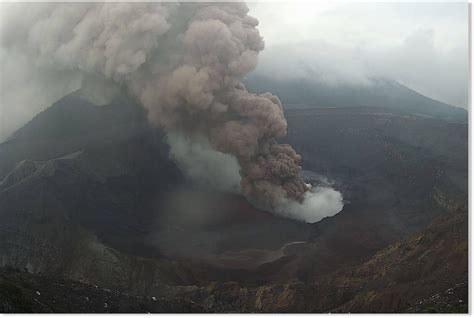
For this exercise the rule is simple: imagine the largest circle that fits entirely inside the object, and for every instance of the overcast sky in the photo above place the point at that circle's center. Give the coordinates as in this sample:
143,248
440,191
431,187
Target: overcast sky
422,45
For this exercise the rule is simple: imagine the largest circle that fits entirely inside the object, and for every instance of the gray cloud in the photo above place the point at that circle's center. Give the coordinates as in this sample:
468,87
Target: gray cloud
422,45
26,90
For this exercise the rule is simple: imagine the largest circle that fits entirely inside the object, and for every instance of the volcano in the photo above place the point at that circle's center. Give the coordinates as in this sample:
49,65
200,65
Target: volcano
88,194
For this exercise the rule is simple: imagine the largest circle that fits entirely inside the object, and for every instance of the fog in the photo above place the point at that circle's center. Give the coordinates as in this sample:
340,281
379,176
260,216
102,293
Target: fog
421,45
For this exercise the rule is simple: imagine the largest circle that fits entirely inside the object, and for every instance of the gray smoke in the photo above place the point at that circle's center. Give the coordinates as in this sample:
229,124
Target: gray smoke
184,63
204,165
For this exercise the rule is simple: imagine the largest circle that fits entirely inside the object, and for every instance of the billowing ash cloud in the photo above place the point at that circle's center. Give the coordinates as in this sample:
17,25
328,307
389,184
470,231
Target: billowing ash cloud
184,63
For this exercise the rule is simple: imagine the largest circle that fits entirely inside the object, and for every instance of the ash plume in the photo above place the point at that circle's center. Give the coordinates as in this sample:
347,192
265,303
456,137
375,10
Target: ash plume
184,63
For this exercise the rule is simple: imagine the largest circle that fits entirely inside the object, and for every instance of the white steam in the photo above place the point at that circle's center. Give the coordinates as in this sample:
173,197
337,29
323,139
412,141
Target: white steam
319,202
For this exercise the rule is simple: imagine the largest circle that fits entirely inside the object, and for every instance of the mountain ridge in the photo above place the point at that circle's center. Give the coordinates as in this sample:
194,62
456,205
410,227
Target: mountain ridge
379,92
